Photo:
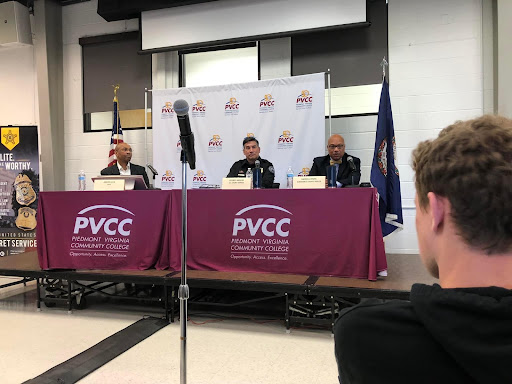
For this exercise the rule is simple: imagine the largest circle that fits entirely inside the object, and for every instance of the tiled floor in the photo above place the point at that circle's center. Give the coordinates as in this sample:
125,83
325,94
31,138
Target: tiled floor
219,351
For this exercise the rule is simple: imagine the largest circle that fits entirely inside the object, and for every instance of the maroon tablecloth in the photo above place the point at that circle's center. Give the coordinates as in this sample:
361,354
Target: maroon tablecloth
313,232
333,232
104,230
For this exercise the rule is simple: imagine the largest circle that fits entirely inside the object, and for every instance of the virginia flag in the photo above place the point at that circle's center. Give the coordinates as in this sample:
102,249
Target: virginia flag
116,137
385,176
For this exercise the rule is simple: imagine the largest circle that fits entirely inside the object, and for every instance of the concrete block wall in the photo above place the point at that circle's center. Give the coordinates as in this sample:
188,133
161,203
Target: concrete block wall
89,151
18,90
435,78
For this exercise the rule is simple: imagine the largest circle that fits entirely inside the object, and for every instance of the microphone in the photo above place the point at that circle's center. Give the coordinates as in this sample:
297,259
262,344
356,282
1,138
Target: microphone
186,135
351,163
152,169
256,175
352,168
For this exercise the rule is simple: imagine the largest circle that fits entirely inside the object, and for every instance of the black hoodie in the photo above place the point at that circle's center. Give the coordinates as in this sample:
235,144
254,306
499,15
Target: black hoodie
461,335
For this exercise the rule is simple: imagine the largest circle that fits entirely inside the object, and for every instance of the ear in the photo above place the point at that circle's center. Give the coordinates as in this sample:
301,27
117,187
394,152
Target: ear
438,210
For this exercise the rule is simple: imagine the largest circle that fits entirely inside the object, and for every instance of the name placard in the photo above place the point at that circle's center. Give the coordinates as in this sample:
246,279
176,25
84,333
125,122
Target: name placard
236,183
109,185
309,182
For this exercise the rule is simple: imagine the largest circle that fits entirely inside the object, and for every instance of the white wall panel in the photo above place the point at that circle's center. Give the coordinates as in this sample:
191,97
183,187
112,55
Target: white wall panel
17,86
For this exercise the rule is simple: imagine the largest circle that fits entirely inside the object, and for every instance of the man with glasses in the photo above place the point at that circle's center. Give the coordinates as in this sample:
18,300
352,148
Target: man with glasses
348,167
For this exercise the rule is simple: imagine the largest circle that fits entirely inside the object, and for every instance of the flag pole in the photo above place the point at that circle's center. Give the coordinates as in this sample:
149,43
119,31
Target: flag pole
329,94
384,64
116,115
146,128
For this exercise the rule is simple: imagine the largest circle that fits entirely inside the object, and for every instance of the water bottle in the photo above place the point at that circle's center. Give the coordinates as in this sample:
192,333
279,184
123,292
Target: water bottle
81,181
289,178
248,174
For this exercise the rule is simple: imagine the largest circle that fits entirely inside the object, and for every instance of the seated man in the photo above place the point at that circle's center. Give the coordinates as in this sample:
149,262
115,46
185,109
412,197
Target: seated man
123,154
458,331
251,149
337,157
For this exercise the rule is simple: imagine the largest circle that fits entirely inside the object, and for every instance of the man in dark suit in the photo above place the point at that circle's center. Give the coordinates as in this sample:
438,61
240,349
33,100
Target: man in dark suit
123,153
123,166
347,173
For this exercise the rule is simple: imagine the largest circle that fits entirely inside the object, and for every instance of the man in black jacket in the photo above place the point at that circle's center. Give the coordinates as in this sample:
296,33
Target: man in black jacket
123,153
251,149
348,167
458,331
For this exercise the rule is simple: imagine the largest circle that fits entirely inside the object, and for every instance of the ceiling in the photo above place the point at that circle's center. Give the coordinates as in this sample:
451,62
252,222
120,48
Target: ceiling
112,10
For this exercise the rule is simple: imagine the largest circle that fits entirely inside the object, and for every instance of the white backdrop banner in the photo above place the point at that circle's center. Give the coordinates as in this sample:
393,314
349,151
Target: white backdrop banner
285,115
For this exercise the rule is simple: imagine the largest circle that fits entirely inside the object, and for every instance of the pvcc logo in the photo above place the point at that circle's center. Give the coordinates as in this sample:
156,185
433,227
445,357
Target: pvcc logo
107,224
232,104
215,141
286,137
304,172
199,106
168,176
167,110
267,101
305,97
199,176
267,225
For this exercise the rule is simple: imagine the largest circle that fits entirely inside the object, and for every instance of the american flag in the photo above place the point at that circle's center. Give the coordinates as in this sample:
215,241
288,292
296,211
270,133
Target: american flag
117,135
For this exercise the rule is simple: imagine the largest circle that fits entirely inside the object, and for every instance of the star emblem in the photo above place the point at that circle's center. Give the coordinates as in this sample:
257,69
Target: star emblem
9,137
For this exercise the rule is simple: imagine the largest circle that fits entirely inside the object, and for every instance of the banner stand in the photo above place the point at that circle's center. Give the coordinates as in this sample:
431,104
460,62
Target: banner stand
146,131
328,73
286,115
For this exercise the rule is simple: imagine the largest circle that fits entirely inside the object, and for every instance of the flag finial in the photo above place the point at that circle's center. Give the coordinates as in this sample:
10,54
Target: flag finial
384,64
116,88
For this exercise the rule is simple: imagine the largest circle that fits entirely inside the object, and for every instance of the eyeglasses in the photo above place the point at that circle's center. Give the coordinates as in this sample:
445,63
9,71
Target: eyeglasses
339,146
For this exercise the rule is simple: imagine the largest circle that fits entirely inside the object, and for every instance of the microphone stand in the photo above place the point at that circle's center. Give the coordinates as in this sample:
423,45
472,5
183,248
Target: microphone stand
352,185
154,172
183,291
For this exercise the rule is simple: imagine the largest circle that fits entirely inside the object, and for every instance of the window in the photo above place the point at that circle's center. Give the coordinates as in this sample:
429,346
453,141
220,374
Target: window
220,66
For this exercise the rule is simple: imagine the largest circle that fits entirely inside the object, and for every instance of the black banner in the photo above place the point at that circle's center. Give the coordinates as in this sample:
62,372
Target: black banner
19,189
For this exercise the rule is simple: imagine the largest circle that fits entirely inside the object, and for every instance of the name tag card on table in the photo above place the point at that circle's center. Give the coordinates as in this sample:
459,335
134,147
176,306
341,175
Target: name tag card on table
236,183
109,185
309,182
111,182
